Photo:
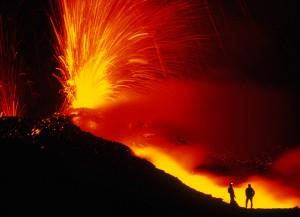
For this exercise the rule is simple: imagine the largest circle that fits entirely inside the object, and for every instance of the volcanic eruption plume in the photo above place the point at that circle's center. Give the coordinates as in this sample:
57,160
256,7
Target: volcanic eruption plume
9,68
125,67
107,47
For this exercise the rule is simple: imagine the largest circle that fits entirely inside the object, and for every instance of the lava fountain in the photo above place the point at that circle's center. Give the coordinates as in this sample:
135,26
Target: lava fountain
9,68
121,67
107,47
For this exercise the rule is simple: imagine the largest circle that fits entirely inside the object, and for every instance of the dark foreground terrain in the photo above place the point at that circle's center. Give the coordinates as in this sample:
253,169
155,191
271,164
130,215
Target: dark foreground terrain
50,167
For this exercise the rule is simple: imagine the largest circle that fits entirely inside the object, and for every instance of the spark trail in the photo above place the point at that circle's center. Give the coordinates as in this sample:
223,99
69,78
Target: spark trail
9,68
107,47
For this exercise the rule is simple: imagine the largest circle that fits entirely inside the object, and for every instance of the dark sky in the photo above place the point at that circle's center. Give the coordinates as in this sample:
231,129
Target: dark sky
257,44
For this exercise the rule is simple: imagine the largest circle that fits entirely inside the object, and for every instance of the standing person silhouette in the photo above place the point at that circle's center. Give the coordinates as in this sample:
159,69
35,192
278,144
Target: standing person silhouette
249,195
231,194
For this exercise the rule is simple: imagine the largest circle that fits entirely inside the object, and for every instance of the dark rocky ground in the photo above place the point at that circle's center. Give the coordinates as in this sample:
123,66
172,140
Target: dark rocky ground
50,167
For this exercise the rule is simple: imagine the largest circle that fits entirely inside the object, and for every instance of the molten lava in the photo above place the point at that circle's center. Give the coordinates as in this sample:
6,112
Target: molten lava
266,196
116,60
9,101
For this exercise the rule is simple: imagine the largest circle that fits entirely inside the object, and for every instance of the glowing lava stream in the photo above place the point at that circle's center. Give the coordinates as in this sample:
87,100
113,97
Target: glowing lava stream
269,193
264,197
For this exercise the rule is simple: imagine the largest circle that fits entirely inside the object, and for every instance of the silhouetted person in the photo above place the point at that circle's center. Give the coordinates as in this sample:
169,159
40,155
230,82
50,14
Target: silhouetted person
232,195
249,195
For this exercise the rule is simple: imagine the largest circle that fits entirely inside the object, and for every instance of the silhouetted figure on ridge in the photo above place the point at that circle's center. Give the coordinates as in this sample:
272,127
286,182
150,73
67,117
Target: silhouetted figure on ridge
249,195
231,194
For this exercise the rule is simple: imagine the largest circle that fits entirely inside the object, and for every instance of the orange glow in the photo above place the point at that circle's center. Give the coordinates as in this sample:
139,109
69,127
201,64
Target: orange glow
109,51
266,196
180,162
9,102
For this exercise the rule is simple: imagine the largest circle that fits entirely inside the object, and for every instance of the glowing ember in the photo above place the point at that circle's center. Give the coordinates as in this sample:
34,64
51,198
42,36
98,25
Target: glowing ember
9,101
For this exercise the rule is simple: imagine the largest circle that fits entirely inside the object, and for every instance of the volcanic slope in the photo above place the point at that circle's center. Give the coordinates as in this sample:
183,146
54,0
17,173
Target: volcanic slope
49,167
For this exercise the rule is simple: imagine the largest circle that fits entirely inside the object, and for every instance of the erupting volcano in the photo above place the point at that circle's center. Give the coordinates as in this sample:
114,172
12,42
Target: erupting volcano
156,107
126,69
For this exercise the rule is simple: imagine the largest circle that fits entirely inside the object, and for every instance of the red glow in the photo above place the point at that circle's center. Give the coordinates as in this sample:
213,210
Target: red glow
118,68
168,139
9,101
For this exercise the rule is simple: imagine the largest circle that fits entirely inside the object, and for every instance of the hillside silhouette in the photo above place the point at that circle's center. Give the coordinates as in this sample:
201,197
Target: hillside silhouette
49,167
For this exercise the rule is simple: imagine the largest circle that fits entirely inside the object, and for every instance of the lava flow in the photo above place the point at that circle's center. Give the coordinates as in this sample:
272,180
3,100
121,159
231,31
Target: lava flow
9,101
119,64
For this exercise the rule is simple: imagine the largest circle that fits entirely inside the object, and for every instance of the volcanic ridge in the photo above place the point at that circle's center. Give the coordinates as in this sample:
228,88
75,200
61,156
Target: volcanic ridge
50,167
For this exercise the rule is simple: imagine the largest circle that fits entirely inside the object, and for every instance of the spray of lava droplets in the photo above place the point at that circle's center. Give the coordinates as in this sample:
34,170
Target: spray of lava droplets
112,51
106,47
9,101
